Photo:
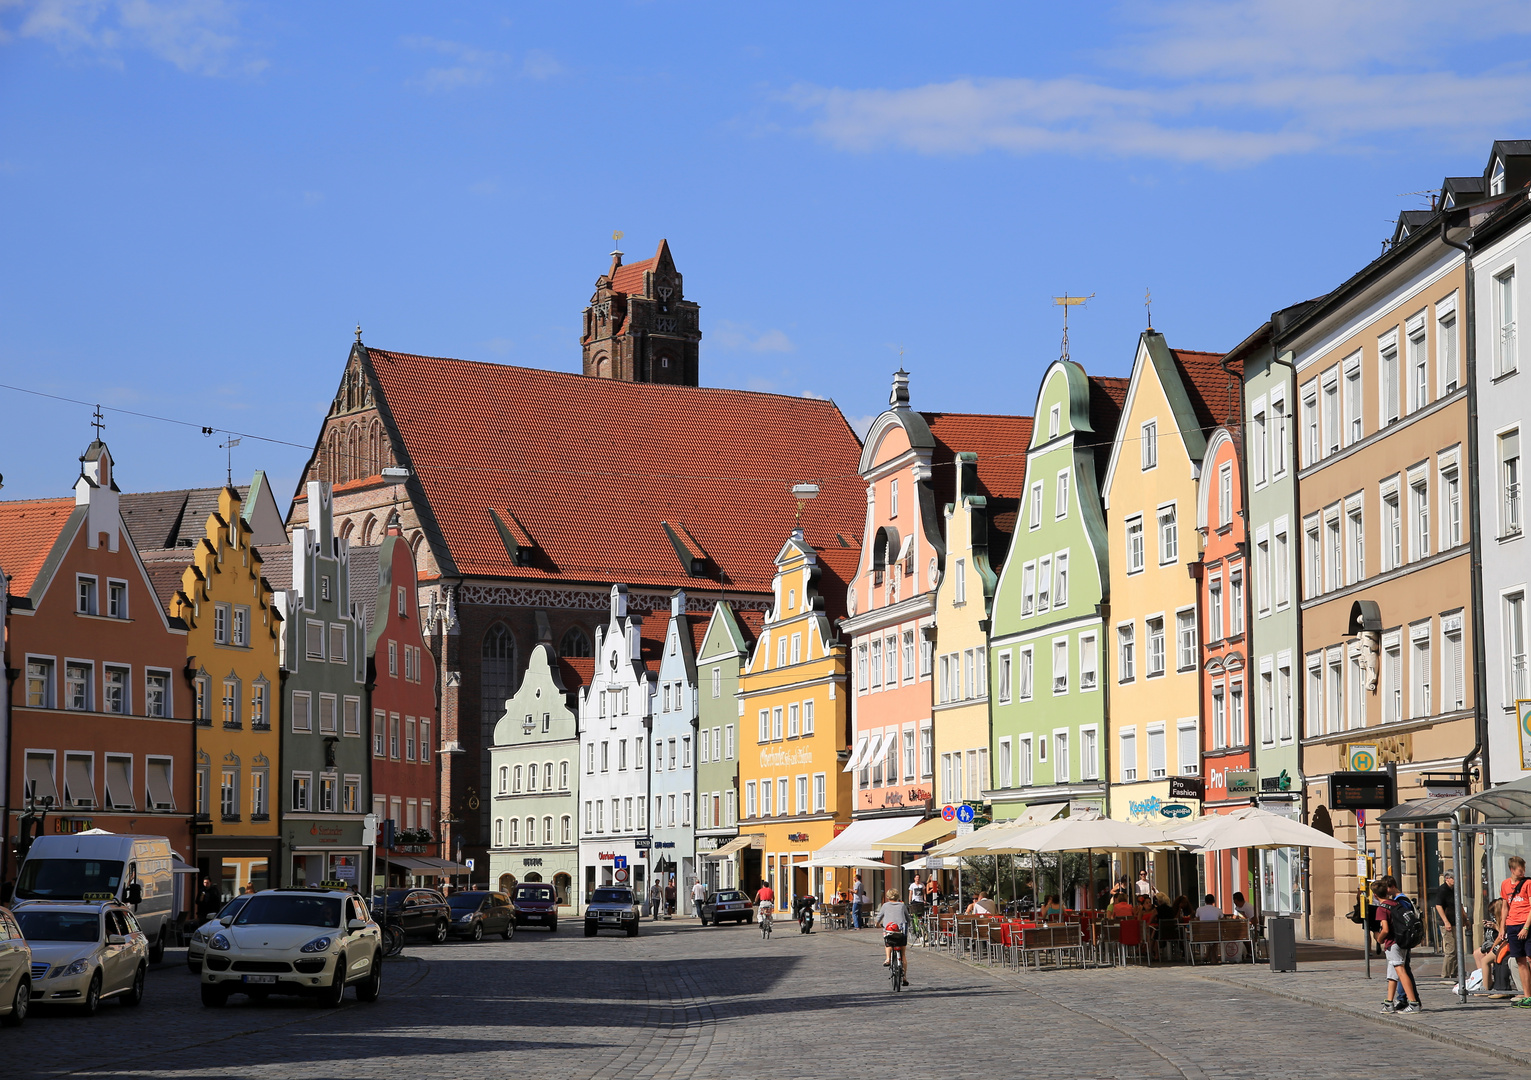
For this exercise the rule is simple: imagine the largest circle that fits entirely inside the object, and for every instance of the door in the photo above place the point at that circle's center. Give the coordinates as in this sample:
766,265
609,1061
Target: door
117,961
12,959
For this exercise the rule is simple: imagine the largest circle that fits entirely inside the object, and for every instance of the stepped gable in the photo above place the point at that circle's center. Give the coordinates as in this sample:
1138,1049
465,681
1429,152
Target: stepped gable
1215,394
28,530
592,469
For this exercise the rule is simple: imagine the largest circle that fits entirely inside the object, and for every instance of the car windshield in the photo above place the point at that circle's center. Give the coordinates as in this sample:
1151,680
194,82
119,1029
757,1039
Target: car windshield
529,892
232,907
67,879
728,894
276,909
60,925
612,896
467,901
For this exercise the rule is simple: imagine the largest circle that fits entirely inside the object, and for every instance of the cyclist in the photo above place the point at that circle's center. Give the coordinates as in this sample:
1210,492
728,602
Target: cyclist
893,917
765,901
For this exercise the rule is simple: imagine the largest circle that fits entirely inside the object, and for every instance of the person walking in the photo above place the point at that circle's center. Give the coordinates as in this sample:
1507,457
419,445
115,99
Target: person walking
698,896
656,899
858,898
1515,891
669,897
1390,904
1447,911
209,900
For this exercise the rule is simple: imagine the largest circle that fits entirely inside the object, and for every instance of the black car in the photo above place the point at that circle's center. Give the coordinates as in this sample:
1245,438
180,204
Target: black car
421,913
479,912
536,904
612,908
726,904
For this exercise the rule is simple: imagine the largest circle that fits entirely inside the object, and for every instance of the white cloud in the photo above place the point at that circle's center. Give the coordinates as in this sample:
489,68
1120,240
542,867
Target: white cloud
732,335
1225,83
200,37
468,65
862,424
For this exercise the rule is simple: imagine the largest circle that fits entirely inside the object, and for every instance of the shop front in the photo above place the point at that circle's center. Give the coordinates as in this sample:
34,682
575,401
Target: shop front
616,861
1171,802
327,848
558,866
233,862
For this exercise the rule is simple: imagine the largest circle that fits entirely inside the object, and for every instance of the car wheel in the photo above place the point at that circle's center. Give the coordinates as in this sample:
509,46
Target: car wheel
632,931
157,950
92,1000
478,931
214,997
442,929
704,920
749,919
372,989
335,993
553,926
590,929
19,1005
135,994
509,931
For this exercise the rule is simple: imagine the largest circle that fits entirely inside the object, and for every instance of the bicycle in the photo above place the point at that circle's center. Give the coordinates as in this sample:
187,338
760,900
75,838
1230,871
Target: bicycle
765,920
393,937
896,963
917,931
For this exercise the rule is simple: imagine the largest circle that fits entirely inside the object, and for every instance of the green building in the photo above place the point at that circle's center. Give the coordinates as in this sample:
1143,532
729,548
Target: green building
1046,636
725,645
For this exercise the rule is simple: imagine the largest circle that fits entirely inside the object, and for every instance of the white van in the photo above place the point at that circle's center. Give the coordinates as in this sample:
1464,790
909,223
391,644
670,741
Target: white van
98,865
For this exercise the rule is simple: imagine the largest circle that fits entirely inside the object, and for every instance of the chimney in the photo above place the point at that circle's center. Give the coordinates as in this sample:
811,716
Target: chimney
899,397
616,261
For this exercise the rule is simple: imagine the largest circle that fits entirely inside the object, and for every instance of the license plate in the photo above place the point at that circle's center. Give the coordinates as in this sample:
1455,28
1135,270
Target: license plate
534,916
608,918
267,980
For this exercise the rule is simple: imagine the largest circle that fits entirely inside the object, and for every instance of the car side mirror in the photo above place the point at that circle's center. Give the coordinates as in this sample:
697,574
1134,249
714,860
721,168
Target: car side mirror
116,939
135,894
355,925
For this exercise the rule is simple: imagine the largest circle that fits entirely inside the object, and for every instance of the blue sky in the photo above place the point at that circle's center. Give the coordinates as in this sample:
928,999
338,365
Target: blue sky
203,198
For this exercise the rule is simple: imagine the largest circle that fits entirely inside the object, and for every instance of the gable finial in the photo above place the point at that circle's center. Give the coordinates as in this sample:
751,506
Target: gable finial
98,422
1065,302
1148,304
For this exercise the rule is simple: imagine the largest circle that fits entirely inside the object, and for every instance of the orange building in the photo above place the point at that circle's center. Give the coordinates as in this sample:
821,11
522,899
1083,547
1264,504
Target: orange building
102,733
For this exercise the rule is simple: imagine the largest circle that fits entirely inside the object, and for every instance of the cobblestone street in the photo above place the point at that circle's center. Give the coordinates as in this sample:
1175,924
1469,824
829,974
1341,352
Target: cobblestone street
681,1001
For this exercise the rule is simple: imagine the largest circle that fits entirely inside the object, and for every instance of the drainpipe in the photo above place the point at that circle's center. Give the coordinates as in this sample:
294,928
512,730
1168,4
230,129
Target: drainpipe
1475,556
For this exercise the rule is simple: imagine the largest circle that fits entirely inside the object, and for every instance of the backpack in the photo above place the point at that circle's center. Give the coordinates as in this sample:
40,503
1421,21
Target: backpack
1407,928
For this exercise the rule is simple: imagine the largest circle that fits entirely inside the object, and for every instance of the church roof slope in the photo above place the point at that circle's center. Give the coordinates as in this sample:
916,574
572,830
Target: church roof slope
595,470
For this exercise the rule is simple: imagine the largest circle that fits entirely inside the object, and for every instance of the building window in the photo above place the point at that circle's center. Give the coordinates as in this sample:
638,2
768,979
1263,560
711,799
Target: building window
1236,714
893,497
1061,497
1087,662
861,668
1256,450
1089,763
1336,549
1185,637
1028,589
1061,666
1453,665
1060,580
1263,574
1002,677
1279,439
327,723
1134,545
1156,657
1392,680
1332,413
1219,718
379,722
1125,653
1025,672
1023,762
1169,536
1044,584
1215,609
1061,773
1225,492
301,783
393,736
77,687
117,599
1310,427
228,794
1510,501
1392,531
1353,421
231,698
1036,507
1517,686
1419,665
1419,372
927,751
1451,506
1052,421
40,684
1150,444
1506,356
327,794
1281,571
1158,766
1188,747
156,693
85,595
114,690
1357,567
313,639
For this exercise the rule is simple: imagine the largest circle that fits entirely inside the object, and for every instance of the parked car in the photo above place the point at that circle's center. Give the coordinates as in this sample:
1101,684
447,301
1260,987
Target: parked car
83,953
612,908
727,904
478,912
15,971
536,904
204,933
421,913
92,866
311,940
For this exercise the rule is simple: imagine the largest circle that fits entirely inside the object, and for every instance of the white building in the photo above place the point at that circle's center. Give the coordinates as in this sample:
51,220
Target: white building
673,782
616,715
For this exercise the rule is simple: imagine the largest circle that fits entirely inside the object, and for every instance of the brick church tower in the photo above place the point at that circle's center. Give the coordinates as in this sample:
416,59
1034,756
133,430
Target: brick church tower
638,328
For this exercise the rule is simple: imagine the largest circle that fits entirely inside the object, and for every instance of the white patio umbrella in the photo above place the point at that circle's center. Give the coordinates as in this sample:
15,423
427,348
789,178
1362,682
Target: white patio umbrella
1250,827
1077,834
848,862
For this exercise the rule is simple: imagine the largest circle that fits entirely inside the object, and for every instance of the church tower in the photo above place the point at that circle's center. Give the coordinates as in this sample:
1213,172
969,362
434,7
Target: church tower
638,328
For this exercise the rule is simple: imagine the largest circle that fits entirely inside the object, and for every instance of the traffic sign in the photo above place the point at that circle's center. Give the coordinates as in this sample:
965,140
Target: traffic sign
1175,810
621,874
948,813
965,814
620,862
469,864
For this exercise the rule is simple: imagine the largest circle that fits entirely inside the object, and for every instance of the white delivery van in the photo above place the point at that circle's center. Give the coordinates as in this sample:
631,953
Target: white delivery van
97,865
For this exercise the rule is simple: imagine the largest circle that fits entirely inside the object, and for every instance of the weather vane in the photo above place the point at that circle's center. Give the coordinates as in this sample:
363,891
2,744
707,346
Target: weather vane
1065,302
616,238
98,422
1148,304
228,445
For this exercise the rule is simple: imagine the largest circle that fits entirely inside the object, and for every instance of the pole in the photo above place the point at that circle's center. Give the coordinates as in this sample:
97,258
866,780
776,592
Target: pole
1458,923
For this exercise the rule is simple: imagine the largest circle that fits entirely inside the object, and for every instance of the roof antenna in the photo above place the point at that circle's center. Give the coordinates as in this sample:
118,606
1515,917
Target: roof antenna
98,422
1065,302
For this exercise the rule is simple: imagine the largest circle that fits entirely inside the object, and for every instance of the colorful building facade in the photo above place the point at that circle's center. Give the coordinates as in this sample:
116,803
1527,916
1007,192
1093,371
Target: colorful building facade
673,761
1047,632
725,646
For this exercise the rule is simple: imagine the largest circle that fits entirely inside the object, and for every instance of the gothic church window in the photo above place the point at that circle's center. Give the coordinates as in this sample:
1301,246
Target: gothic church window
575,643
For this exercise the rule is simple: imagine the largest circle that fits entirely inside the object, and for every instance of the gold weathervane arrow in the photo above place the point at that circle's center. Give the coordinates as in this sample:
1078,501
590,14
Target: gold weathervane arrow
1065,302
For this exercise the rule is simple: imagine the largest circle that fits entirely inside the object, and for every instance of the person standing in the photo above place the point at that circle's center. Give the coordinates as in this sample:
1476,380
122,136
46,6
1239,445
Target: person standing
656,899
916,893
209,900
669,897
1389,903
1515,891
1143,886
1447,912
858,898
698,896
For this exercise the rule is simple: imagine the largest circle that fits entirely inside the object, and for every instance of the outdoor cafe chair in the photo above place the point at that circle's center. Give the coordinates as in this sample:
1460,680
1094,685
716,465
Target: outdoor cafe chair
1059,941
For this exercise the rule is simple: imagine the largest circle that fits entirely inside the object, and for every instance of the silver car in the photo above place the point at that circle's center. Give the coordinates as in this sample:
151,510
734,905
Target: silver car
83,953
197,947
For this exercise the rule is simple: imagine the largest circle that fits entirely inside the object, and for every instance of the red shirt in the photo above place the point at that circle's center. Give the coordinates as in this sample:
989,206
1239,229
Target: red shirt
1519,909
765,894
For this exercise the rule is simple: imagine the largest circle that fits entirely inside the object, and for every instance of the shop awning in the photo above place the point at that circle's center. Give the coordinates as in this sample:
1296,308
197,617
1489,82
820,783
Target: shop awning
425,865
160,796
1507,804
738,843
863,839
78,790
40,778
922,834
853,762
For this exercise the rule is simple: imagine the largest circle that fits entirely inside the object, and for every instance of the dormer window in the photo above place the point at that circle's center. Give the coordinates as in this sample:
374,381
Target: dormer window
1496,178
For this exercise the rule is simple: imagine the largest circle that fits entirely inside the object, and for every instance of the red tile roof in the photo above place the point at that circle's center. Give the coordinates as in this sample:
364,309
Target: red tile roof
593,467
629,276
28,530
576,671
1000,443
1214,393
839,568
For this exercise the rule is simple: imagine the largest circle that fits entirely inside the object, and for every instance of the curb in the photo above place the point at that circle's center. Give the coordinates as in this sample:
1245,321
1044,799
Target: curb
1394,1024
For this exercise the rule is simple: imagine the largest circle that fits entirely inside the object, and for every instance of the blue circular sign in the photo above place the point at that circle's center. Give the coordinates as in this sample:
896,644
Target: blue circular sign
1175,810
964,814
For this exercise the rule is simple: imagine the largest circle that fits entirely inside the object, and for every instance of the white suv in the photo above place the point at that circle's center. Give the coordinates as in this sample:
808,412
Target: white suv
314,941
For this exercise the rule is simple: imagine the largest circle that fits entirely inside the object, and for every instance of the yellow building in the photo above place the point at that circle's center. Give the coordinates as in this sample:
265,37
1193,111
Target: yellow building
1174,400
795,726
234,667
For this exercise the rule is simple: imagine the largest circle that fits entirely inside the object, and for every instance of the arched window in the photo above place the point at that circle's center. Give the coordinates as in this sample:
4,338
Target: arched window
368,531
575,643
516,783
506,881
504,779
333,463
547,830
499,832
531,830
347,527
515,831
375,449
531,777
357,466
